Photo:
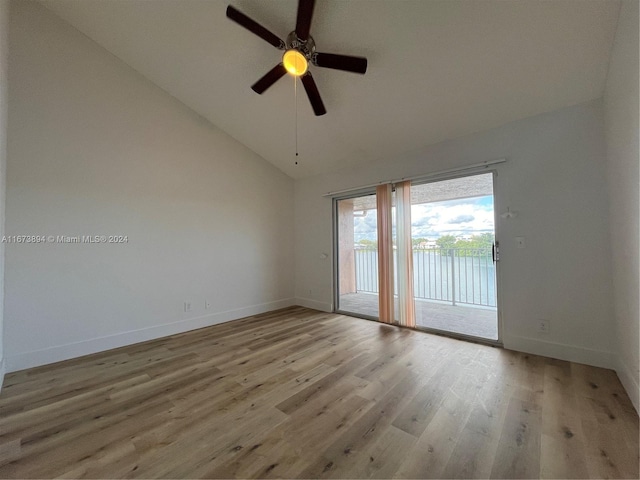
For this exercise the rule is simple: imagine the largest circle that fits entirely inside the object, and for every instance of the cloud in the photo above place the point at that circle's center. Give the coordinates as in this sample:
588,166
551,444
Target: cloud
462,219
419,223
431,220
465,216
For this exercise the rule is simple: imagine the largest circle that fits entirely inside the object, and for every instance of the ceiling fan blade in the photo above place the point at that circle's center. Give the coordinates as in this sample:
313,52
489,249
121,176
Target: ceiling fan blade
340,62
254,27
303,21
271,77
313,94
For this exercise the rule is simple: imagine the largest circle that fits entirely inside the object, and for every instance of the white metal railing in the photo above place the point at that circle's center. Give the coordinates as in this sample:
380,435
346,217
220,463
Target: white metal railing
454,275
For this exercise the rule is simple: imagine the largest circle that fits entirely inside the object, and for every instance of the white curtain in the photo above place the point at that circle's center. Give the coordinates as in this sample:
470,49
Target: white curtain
406,304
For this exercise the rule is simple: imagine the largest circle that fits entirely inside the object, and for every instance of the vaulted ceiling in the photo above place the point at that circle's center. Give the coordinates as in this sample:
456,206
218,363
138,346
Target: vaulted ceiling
438,69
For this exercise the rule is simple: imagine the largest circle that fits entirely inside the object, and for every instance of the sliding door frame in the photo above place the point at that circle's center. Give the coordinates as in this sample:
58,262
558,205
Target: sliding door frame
496,240
371,190
336,253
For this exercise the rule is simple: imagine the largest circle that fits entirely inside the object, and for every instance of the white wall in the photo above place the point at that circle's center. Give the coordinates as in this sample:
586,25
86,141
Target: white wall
4,54
621,125
555,179
96,149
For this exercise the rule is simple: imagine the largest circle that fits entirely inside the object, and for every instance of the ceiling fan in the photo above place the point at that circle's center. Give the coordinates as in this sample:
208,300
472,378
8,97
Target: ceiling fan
299,52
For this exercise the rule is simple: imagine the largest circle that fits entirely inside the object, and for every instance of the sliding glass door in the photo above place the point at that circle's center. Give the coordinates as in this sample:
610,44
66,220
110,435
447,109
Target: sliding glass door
453,234
441,251
357,256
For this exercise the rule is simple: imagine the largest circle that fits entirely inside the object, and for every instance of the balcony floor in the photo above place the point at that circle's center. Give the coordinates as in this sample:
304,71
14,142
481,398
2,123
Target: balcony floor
465,319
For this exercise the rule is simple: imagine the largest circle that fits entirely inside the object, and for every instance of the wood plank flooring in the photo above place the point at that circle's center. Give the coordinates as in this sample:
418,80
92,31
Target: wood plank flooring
303,394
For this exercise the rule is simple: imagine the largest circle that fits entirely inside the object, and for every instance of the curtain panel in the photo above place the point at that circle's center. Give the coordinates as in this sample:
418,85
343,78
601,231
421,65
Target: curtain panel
386,256
385,253
406,304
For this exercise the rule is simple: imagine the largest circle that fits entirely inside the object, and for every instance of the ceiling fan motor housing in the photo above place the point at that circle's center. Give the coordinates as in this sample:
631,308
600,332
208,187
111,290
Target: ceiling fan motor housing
307,48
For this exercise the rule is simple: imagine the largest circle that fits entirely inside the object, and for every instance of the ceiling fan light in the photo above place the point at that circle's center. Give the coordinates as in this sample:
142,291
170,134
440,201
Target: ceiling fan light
295,62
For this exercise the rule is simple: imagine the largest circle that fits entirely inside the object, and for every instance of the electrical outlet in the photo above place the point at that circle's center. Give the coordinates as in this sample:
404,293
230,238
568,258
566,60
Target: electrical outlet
187,306
544,326
207,304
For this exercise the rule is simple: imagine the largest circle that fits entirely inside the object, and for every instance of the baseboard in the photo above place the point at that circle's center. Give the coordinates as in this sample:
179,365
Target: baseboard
561,351
2,372
77,349
314,304
629,382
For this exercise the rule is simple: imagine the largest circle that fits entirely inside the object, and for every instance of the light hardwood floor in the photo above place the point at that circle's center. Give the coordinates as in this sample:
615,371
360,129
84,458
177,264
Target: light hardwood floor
299,393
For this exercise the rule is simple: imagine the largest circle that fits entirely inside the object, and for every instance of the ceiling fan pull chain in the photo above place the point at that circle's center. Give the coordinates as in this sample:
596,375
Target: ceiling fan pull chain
295,94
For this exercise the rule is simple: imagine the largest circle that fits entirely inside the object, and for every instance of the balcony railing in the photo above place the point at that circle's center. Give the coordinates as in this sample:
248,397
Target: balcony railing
453,275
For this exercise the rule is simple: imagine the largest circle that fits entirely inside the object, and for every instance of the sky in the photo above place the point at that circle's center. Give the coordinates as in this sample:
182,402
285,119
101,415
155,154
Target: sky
468,216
